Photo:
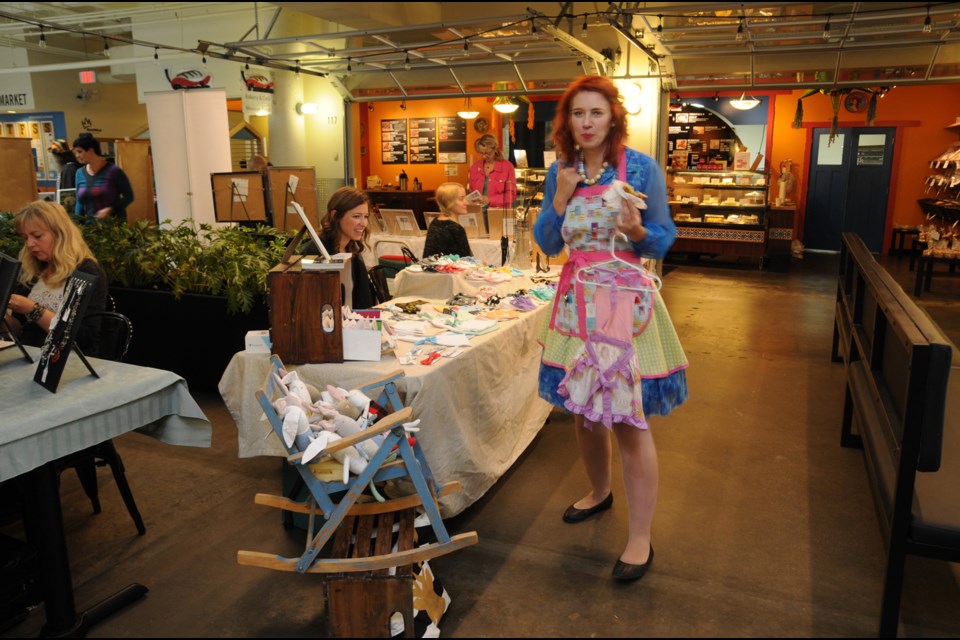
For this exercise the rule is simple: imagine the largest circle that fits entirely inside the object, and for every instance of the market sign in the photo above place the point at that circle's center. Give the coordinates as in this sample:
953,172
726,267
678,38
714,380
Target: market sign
257,103
16,92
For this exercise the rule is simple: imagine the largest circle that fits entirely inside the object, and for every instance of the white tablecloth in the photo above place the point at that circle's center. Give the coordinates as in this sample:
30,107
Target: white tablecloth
479,410
40,426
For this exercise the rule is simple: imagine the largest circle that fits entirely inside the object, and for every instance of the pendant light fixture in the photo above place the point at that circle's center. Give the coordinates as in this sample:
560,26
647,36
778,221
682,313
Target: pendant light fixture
744,103
468,112
504,104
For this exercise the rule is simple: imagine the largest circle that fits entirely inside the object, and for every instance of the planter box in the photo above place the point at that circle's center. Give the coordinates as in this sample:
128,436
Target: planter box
194,337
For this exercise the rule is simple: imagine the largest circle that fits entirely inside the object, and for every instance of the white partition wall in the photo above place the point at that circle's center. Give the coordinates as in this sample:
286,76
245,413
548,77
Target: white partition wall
190,136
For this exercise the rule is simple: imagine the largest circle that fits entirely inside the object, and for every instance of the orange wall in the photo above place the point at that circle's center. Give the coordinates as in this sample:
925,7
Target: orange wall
921,115
430,175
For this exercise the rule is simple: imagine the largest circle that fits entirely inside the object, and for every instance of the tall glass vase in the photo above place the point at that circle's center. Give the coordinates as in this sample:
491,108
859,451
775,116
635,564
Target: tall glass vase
522,248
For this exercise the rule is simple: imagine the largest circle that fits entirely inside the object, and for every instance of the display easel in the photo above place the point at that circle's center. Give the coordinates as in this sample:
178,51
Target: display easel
239,196
9,271
288,185
61,340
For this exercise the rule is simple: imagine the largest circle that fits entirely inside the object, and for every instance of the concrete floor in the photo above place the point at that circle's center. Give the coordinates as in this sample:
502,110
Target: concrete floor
764,527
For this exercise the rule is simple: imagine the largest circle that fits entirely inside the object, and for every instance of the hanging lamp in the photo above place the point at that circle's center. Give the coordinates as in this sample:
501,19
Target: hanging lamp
744,103
468,112
505,104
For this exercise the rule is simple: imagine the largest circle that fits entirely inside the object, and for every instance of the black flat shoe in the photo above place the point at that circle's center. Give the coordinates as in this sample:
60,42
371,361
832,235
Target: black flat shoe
572,514
625,572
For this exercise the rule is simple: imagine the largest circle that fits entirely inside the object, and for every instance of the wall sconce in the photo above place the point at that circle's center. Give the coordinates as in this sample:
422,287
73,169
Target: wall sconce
630,97
304,108
744,103
504,104
468,112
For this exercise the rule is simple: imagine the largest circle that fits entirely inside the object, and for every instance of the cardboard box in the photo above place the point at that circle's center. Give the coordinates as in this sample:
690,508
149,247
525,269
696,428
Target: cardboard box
258,341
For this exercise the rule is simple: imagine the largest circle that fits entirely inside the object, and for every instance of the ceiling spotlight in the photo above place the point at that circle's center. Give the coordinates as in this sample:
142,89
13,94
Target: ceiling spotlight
533,25
583,31
203,59
106,48
744,103
740,31
349,66
403,105
468,112
927,25
247,66
370,107
406,63
826,29
43,39
156,55
660,27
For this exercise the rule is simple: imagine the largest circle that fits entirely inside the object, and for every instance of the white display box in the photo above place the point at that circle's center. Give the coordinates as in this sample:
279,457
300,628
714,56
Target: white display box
258,341
363,343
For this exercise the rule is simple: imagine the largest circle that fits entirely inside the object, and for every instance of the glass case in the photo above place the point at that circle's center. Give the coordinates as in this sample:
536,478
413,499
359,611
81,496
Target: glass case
530,183
718,197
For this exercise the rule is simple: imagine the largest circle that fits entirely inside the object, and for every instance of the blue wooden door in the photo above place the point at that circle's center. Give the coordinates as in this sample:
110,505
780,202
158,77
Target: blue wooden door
849,186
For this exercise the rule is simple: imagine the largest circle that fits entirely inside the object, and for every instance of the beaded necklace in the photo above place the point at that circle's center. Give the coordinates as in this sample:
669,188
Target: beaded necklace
582,171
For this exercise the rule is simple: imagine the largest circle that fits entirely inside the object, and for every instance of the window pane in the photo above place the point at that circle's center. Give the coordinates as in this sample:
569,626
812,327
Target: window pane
830,153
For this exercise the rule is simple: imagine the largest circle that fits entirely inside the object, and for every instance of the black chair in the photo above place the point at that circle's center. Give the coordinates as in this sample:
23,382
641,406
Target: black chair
378,276
116,333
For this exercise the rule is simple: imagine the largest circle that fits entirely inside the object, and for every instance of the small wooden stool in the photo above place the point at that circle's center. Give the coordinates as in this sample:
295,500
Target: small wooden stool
360,604
898,237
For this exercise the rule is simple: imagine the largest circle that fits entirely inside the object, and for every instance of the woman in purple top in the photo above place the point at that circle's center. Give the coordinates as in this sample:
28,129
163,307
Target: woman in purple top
103,189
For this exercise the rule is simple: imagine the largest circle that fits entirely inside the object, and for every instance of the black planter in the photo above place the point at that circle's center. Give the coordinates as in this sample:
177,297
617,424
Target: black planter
194,337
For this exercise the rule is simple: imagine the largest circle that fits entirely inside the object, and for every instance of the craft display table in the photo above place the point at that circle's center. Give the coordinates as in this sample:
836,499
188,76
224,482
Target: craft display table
486,249
479,411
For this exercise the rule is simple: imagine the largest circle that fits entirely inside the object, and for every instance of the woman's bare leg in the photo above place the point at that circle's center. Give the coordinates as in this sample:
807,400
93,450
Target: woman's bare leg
595,450
638,456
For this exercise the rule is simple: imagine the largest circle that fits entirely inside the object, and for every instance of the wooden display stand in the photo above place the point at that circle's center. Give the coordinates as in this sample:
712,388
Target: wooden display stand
282,194
18,186
298,300
133,156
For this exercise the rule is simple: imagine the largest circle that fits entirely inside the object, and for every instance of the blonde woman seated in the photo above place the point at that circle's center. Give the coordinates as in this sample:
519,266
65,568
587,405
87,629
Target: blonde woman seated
53,250
445,235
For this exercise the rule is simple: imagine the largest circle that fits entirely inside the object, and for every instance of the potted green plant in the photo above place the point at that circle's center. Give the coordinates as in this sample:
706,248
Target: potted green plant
191,291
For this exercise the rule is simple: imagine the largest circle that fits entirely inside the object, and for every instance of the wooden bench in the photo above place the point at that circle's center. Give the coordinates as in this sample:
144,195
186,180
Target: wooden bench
898,385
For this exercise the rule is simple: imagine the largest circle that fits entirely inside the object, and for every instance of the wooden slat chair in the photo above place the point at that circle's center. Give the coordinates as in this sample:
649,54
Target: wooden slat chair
395,458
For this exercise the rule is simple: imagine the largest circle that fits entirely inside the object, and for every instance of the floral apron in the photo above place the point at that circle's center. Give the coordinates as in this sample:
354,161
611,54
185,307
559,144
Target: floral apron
611,330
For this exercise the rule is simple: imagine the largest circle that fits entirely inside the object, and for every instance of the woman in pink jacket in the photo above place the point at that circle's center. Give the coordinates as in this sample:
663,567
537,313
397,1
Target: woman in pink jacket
492,176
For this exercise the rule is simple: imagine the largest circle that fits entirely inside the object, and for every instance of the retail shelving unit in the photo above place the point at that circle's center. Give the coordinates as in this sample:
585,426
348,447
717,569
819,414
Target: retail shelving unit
719,212
530,184
943,184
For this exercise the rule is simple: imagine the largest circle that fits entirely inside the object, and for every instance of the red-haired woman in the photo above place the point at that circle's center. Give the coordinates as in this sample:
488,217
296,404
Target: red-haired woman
610,352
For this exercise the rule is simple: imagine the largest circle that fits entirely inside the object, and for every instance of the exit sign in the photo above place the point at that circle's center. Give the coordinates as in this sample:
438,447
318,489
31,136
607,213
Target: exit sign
88,77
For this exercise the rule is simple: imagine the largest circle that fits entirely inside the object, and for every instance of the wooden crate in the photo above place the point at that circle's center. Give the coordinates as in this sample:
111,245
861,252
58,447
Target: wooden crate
297,300
360,604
